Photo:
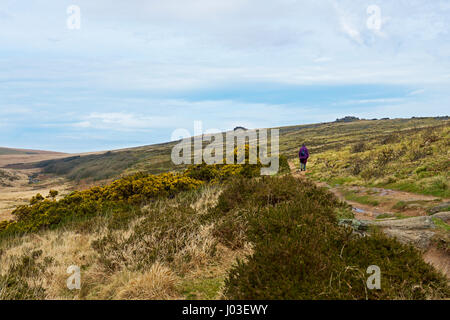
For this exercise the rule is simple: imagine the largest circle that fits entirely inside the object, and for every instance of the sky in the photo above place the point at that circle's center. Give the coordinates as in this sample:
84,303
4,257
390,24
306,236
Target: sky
135,71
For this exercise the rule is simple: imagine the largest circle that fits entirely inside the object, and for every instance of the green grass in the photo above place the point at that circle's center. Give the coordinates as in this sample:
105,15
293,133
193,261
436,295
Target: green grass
363,199
344,213
201,289
436,191
390,215
339,181
441,224
400,205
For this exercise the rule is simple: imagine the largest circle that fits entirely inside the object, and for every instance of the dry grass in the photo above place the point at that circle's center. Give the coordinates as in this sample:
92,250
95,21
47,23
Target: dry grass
197,268
159,282
208,199
63,249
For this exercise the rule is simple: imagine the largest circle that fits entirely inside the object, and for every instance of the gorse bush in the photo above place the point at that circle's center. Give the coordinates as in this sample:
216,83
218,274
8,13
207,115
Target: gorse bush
384,156
122,195
220,172
356,165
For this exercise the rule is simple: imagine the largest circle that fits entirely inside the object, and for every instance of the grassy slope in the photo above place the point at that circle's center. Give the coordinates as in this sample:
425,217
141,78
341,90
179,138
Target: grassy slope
111,164
414,160
11,151
320,138
7,151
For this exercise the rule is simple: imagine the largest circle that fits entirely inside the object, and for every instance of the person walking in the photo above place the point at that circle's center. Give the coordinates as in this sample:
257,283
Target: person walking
303,155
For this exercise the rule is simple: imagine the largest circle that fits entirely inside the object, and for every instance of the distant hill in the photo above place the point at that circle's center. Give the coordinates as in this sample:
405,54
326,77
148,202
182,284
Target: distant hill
9,151
10,156
156,158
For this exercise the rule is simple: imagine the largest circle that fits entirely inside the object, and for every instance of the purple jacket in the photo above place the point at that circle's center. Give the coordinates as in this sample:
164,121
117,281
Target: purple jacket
306,154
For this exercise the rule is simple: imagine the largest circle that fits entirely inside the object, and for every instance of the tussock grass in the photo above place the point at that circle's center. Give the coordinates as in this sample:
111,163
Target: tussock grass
158,282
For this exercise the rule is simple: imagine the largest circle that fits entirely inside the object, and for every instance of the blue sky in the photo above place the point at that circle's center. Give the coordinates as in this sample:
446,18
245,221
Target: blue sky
137,70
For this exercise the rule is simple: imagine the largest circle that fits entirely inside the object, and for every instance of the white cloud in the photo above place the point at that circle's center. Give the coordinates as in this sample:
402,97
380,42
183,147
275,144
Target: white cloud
416,92
346,25
323,59
120,121
134,64
370,101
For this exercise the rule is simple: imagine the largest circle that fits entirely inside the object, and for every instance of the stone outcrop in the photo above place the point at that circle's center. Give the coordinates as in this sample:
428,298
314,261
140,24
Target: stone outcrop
417,231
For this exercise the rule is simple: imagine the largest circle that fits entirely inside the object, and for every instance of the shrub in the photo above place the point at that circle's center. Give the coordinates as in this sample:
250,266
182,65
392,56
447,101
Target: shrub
400,205
52,194
301,253
429,136
384,156
356,165
14,285
118,197
221,172
358,147
37,198
390,138
243,199
284,164
416,152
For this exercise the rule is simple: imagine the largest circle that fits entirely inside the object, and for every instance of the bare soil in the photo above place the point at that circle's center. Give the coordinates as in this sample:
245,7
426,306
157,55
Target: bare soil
439,259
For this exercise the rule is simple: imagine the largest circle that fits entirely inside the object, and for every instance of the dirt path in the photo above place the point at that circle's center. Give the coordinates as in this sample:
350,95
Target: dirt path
361,211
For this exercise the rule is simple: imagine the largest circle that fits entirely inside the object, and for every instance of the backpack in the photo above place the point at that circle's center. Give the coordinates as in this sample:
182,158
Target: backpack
302,153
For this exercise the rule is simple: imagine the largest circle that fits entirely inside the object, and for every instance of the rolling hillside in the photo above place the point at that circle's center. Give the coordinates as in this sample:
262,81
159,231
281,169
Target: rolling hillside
156,158
10,156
